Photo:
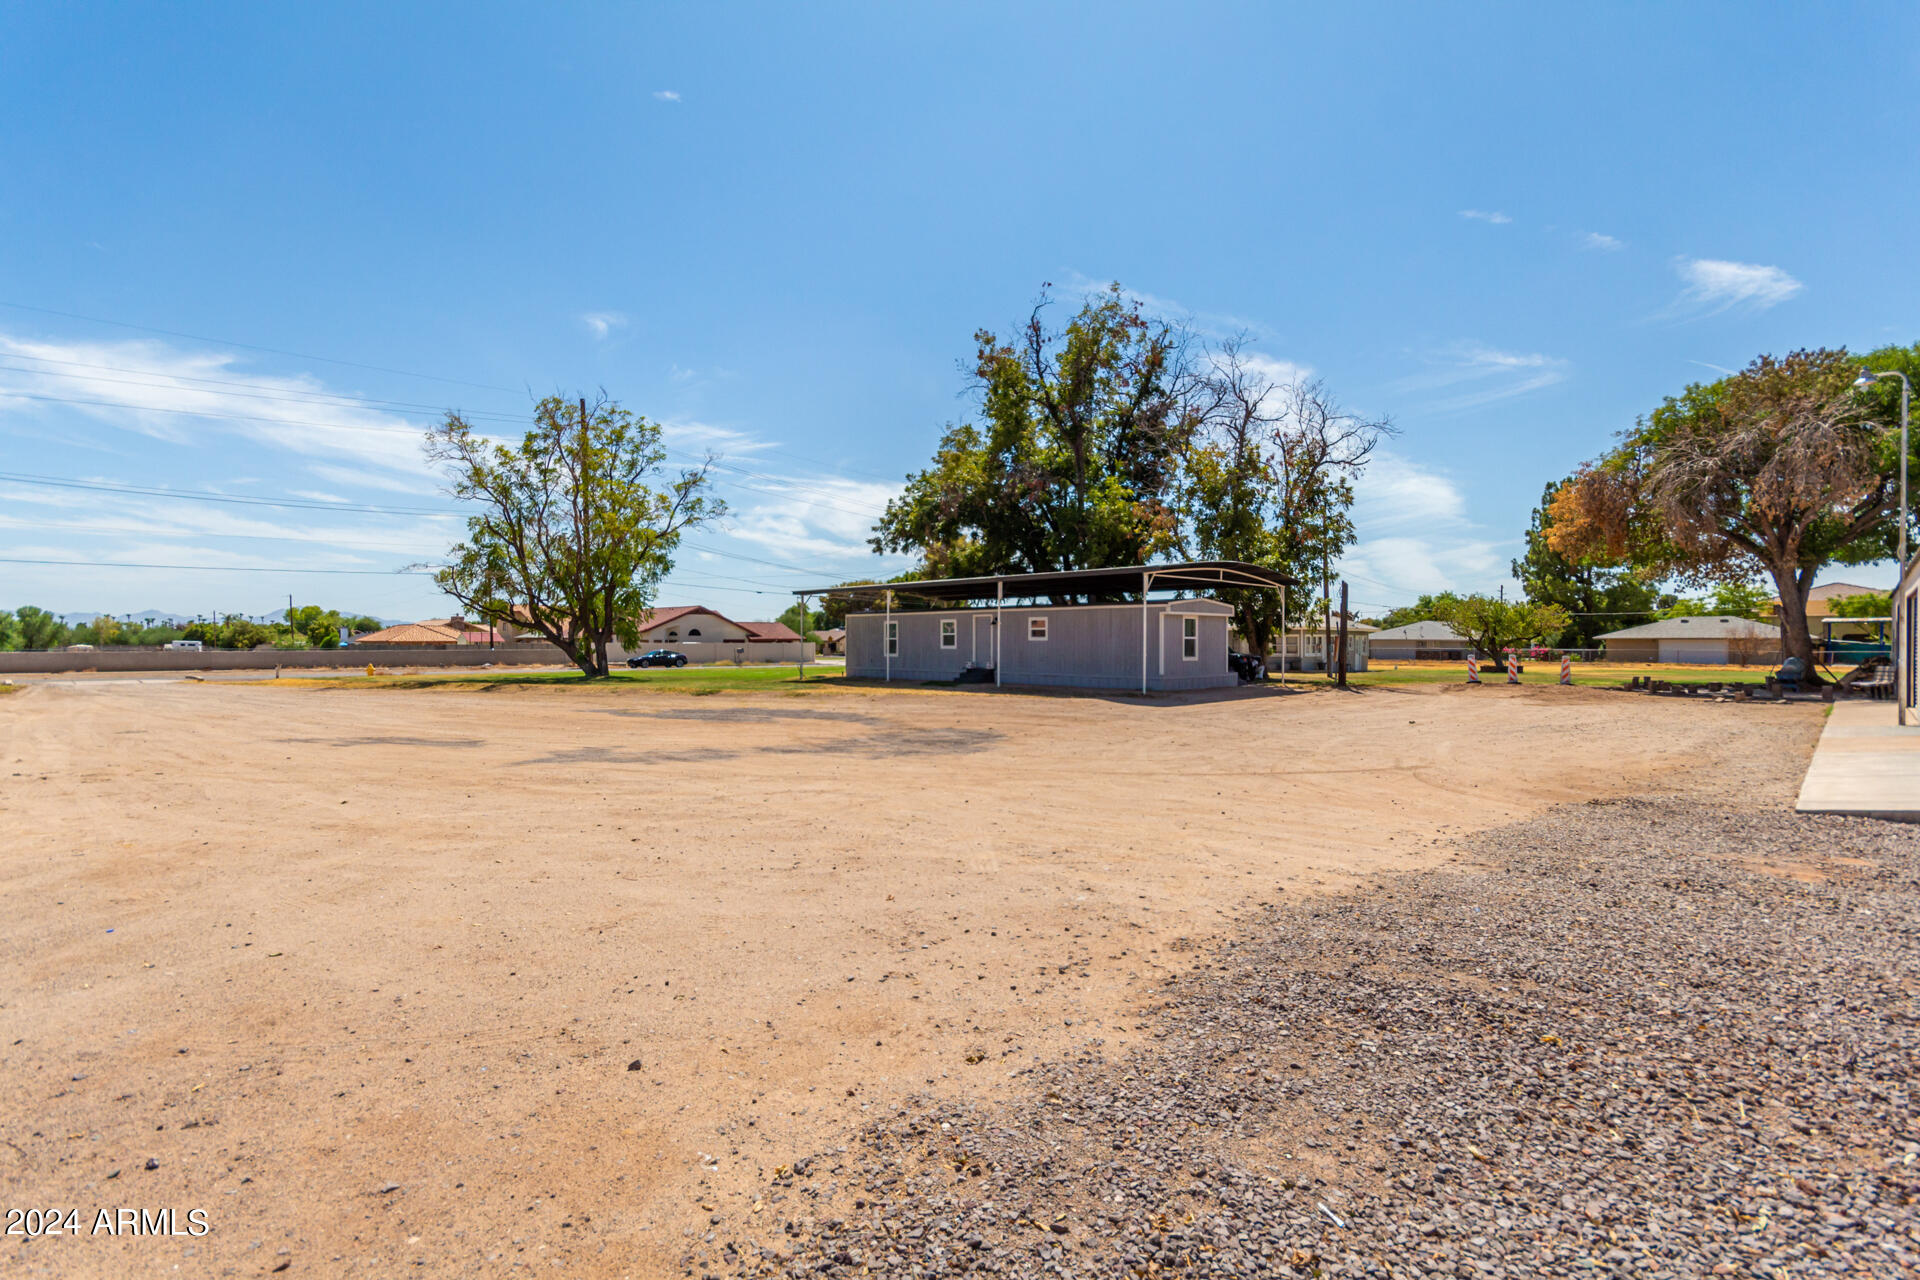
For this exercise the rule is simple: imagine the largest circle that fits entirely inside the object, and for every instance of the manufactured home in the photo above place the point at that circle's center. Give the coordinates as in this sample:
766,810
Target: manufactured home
1075,627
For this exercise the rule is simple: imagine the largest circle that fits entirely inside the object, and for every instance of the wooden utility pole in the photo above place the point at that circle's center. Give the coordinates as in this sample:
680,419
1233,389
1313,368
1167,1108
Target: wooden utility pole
582,517
1343,633
1326,615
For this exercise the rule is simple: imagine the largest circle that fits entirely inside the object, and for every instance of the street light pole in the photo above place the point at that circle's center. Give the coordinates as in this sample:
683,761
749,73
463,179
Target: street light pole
1865,380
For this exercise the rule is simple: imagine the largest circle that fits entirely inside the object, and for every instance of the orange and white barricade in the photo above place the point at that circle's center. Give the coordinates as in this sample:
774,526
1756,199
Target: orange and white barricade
1513,667
1473,668
1566,669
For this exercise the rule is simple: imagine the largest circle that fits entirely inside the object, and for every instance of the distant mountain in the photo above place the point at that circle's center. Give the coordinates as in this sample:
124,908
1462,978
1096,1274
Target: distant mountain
161,618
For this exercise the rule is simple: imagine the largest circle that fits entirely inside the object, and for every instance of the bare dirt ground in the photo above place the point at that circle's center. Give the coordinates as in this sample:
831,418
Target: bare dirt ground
550,979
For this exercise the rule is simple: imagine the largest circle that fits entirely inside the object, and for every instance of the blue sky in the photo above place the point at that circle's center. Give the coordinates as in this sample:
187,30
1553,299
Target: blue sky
774,228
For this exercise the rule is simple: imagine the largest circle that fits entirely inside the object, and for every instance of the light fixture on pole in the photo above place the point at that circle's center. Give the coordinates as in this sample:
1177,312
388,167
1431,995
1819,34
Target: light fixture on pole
1865,381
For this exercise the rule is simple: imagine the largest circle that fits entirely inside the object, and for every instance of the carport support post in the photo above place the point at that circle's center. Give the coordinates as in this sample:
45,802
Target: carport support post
1146,585
803,638
999,598
1283,635
1343,633
886,636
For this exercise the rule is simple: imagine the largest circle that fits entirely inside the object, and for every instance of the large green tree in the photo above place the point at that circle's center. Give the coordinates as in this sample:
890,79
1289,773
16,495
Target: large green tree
1781,469
40,629
1269,479
1074,459
577,524
1596,597
1728,600
1494,624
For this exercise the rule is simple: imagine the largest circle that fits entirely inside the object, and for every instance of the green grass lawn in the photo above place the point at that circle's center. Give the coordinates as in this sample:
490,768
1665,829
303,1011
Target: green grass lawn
706,679
717,679
1584,673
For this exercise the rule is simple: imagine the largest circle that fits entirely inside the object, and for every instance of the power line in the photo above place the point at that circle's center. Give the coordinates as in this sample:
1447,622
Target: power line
377,573
200,495
247,390
208,568
278,351
305,505
789,486
316,398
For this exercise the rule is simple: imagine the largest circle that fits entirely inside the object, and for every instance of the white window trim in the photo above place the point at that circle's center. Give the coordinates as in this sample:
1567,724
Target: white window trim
1042,637
949,633
1190,644
893,639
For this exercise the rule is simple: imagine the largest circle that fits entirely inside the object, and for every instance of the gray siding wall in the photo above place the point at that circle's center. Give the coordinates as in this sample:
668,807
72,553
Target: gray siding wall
1408,650
1088,646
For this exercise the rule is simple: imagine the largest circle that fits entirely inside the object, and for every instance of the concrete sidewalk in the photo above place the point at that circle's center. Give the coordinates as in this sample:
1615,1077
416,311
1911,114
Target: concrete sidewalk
1865,765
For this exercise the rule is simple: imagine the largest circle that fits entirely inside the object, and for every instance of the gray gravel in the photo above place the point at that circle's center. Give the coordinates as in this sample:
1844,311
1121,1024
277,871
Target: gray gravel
1602,1047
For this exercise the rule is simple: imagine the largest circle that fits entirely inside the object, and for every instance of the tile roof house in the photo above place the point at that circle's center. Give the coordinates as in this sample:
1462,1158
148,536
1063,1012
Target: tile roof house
770,631
688,623
434,633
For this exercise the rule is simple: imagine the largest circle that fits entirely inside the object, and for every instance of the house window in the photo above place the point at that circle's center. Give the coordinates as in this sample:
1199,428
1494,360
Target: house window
1189,638
691,634
673,635
949,634
1036,628
893,639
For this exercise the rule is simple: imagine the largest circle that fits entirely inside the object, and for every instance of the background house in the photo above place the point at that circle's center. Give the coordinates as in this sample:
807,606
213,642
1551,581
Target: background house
700,633
432,633
1419,642
1820,602
1304,646
1723,641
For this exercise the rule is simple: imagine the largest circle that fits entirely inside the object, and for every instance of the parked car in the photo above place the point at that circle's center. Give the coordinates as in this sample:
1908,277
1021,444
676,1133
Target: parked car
1247,667
658,658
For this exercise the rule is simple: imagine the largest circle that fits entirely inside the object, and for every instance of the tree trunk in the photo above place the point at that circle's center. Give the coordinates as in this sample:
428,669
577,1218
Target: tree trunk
578,654
1795,640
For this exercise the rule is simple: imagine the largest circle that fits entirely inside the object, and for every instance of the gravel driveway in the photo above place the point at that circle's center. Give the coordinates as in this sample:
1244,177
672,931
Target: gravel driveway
1642,1038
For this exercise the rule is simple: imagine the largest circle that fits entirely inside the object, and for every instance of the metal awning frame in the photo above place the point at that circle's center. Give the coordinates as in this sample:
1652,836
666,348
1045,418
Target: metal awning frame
1190,575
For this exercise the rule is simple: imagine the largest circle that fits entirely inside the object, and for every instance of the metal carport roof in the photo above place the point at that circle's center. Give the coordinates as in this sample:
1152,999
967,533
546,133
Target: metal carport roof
1186,575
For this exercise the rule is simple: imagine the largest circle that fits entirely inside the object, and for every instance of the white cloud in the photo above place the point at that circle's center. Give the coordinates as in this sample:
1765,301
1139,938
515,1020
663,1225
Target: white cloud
1495,217
1395,570
666,95
1280,372
704,437
1715,285
1468,375
1414,535
1604,243
1078,286
601,323
818,516
1396,492
198,398
154,522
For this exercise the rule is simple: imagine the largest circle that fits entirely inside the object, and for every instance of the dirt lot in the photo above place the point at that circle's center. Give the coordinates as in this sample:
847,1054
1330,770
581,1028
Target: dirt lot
458,982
